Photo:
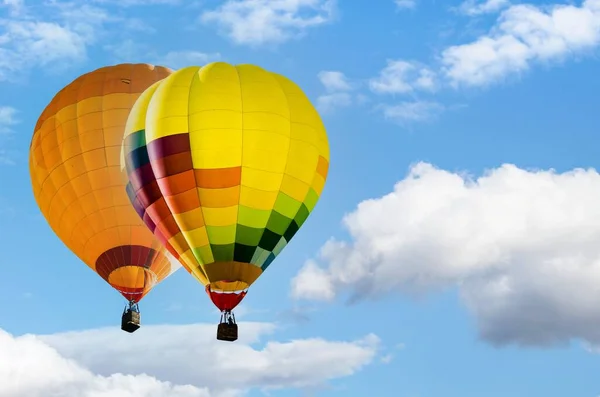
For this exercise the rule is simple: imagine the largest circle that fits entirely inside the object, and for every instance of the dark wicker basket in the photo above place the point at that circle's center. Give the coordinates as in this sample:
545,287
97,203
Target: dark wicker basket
130,321
227,332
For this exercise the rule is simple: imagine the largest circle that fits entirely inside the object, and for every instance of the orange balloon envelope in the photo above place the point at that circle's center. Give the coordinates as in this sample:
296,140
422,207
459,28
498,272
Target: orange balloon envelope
79,183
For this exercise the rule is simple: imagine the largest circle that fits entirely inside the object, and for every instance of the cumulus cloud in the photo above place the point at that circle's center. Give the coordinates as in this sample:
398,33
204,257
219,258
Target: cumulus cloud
524,34
258,22
172,360
476,7
520,245
31,368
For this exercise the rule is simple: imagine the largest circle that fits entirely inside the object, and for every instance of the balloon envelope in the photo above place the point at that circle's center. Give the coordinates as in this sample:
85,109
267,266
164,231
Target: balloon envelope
79,183
225,165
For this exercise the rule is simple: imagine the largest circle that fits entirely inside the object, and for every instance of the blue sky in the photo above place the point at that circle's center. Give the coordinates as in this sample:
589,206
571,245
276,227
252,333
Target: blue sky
454,251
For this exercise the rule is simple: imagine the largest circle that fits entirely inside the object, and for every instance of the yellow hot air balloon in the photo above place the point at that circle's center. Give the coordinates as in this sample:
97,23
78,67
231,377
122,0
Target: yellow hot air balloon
225,164
79,185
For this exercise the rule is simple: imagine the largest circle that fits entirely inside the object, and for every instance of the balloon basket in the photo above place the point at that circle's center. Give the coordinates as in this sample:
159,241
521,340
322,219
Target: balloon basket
227,329
130,321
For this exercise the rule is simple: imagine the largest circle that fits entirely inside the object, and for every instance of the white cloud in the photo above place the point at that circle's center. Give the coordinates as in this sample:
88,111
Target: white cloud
478,7
334,81
258,22
180,59
329,102
521,246
31,43
415,111
131,51
401,77
133,3
56,38
179,354
31,368
15,7
524,34
406,3
339,91
8,118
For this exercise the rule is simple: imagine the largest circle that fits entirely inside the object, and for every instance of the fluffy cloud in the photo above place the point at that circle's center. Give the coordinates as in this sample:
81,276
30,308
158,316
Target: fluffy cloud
475,7
524,34
258,22
520,245
31,368
401,77
171,360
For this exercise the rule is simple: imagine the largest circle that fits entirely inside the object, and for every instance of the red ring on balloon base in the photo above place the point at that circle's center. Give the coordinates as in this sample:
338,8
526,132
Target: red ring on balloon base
225,301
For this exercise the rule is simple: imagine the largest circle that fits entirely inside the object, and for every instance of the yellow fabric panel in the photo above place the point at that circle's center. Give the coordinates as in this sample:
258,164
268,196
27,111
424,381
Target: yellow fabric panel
220,216
318,184
294,187
266,151
189,220
304,114
261,180
215,119
302,161
219,198
198,236
136,121
259,199
167,112
74,162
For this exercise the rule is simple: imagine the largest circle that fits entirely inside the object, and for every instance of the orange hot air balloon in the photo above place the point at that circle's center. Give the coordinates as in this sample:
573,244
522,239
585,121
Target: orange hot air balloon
79,183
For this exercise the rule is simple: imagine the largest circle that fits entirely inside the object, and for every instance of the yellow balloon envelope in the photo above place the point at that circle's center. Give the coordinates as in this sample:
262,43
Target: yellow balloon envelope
225,165
79,184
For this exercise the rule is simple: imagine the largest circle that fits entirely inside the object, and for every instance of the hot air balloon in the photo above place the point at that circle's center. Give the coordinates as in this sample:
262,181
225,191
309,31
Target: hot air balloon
225,164
79,183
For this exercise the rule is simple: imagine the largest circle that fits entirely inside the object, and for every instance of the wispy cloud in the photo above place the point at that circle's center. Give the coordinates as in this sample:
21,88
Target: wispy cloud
260,22
404,4
401,77
478,7
414,111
